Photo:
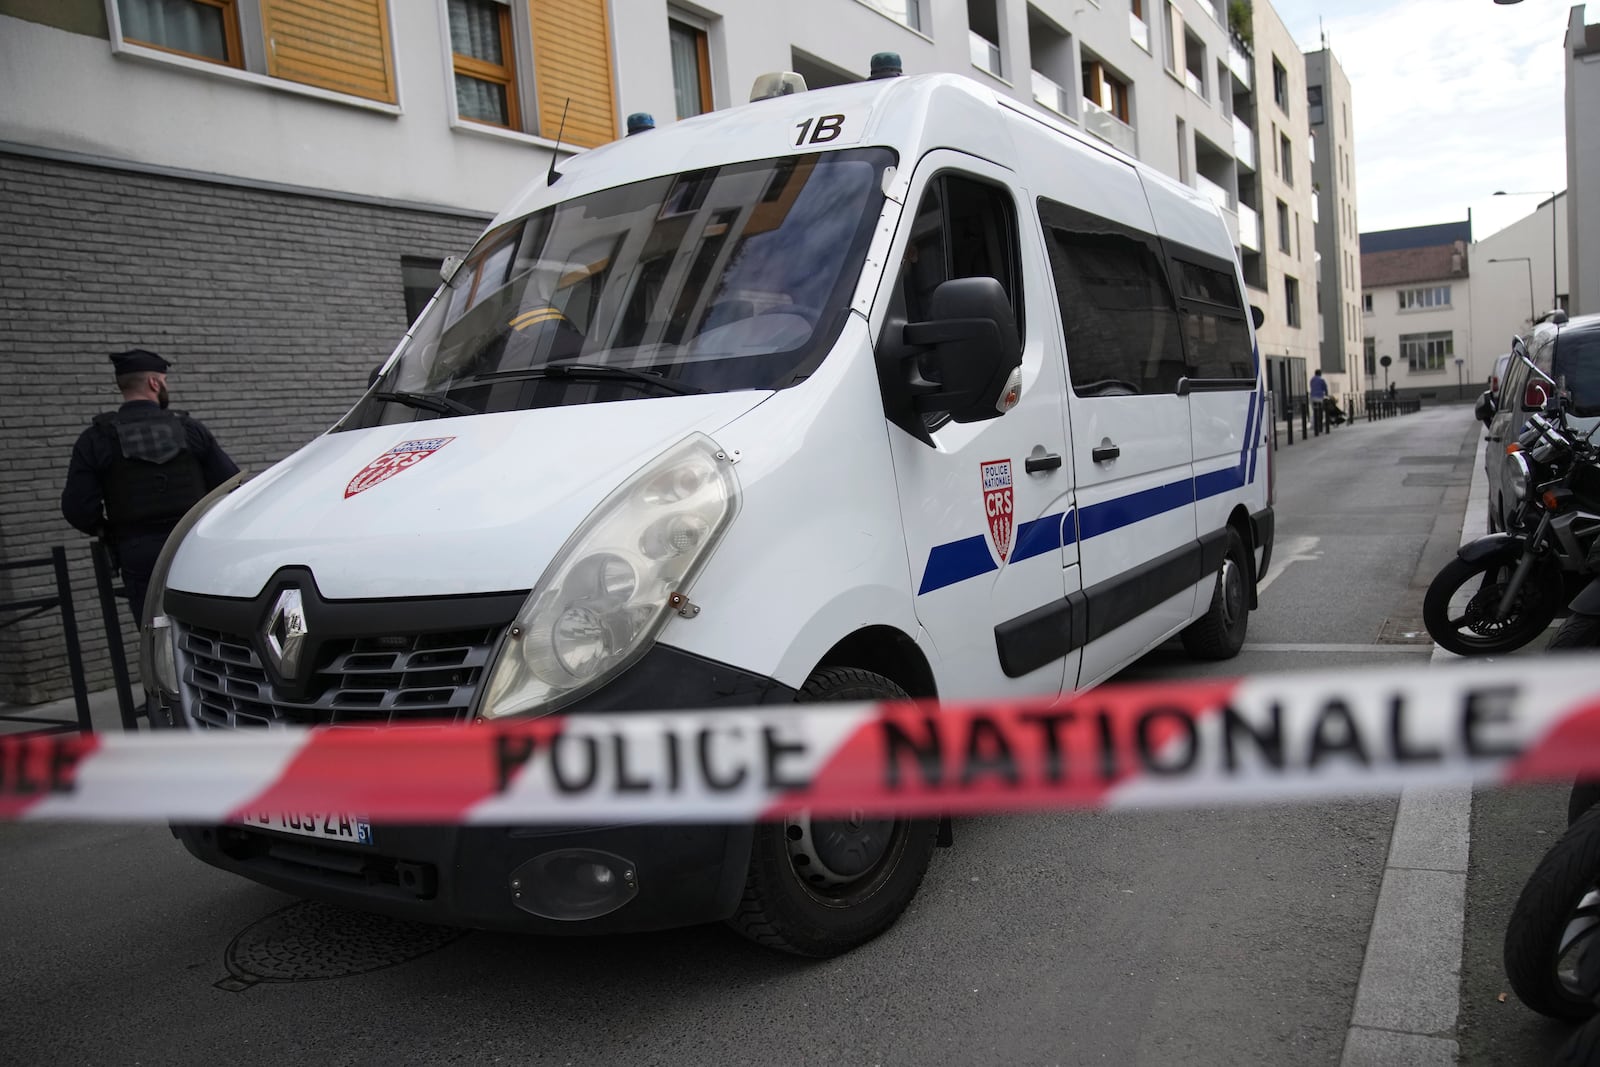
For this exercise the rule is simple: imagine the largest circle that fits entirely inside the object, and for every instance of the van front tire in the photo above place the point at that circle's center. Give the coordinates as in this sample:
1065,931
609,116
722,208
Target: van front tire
820,888
1219,633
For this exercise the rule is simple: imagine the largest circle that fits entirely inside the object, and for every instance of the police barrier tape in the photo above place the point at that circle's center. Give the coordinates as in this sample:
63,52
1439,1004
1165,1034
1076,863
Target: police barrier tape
1264,738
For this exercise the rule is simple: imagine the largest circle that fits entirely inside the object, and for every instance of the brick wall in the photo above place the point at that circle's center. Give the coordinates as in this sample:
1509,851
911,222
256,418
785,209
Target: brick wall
274,307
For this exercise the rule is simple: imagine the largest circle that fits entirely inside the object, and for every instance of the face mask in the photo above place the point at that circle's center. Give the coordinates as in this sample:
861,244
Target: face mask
161,395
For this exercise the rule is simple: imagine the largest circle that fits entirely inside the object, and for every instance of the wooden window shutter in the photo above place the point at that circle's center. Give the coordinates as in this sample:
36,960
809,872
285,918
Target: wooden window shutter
572,60
342,45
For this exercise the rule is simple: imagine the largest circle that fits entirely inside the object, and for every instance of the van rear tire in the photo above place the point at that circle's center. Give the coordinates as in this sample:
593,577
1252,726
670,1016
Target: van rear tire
820,889
1219,633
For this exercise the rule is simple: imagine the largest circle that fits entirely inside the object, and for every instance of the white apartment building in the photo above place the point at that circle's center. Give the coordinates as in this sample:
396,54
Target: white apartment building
1583,160
1521,273
1338,233
1282,272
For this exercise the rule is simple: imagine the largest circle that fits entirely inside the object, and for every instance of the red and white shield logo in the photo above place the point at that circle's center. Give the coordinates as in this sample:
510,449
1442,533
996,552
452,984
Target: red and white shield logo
402,456
997,504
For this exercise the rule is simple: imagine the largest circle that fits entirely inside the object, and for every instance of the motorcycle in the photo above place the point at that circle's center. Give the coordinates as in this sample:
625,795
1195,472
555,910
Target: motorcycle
1502,590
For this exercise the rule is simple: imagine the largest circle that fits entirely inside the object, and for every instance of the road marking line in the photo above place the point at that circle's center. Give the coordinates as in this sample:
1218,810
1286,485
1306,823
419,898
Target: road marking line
1302,549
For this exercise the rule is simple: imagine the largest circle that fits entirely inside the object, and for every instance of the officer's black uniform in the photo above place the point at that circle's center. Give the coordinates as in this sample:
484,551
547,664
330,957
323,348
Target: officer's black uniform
135,471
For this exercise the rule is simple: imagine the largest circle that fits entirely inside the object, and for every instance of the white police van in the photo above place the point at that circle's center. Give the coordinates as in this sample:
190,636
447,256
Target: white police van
890,388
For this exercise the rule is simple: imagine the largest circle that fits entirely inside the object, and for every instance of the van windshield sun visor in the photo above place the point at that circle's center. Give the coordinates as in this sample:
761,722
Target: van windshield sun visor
714,280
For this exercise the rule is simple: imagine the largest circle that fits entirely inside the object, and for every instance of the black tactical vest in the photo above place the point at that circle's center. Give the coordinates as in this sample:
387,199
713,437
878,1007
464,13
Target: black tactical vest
154,478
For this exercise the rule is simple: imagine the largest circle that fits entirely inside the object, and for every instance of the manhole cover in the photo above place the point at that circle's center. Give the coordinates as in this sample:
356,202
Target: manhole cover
310,940
1426,459
1403,632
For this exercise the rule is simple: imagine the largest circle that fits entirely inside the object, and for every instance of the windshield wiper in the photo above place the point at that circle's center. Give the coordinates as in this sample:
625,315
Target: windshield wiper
429,402
592,372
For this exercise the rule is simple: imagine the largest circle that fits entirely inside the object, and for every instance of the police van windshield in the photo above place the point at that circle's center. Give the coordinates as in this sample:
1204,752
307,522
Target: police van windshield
731,277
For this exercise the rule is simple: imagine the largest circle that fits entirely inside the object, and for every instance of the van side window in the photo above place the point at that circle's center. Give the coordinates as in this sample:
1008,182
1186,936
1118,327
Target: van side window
1216,339
1117,311
964,228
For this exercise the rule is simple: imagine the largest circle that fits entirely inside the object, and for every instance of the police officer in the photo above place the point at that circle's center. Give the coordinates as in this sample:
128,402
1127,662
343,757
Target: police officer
136,470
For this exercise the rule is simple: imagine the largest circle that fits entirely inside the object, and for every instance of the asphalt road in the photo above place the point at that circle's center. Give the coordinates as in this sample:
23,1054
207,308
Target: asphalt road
1230,936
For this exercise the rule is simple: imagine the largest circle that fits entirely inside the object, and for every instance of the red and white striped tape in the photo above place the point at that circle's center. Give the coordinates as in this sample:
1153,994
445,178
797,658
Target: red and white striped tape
1264,738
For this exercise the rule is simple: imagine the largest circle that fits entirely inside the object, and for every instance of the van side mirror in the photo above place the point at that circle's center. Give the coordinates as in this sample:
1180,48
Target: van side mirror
965,360
1257,316
1484,409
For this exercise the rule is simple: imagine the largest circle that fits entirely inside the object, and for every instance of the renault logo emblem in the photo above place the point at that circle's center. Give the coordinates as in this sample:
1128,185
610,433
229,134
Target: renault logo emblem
285,632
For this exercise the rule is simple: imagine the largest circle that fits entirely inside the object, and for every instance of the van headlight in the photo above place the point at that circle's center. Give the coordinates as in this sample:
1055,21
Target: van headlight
604,597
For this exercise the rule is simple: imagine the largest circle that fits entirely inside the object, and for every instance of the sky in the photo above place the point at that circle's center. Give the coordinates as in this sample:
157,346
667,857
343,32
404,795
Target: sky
1452,100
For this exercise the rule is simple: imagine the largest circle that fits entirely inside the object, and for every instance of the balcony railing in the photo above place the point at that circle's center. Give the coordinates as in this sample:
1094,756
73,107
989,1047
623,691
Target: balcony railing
1138,31
1213,192
1196,84
985,53
1051,95
1239,63
1244,143
1103,124
1249,228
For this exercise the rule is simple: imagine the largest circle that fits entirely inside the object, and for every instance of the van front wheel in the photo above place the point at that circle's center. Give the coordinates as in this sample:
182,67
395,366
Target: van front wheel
1219,633
821,887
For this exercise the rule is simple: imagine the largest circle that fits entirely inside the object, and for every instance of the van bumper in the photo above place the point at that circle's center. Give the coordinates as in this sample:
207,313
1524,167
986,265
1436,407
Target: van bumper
498,878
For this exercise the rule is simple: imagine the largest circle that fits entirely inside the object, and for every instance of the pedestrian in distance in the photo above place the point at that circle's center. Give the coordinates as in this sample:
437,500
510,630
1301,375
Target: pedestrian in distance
1319,400
135,471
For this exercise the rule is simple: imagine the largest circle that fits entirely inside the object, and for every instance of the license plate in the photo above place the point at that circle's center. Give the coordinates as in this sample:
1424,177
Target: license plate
338,826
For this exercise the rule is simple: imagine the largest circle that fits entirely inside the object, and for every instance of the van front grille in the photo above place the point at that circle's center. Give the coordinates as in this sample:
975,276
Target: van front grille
380,680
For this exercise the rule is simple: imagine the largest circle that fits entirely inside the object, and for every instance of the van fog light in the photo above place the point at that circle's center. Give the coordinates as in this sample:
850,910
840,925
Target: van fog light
572,884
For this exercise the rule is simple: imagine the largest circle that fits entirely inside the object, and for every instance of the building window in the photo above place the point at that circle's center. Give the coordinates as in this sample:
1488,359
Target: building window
343,48
983,36
1280,86
691,68
1286,154
1172,27
485,66
1425,352
1369,354
539,67
419,277
1433,296
202,29
1104,90
906,12
1291,301
1366,303
1283,226
1314,104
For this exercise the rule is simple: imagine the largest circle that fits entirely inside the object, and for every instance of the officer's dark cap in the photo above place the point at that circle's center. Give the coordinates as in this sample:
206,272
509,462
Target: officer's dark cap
135,360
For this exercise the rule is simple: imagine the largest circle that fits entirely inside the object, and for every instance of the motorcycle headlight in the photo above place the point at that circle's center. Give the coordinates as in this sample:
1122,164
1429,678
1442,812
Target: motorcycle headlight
1519,475
605,596
158,658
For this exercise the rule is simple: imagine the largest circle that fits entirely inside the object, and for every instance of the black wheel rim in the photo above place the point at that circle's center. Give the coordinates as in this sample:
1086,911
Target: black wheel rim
1474,624
842,861
1578,938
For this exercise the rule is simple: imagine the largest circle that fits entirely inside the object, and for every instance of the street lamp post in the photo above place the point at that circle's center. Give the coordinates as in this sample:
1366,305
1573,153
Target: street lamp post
1555,291
1533,316
1459,364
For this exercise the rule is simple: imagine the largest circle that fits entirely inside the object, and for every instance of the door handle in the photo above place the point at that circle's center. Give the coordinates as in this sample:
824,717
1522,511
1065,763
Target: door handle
1105,453
1044,461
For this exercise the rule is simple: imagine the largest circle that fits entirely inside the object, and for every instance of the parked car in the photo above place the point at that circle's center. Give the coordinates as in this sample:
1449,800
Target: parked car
1566,350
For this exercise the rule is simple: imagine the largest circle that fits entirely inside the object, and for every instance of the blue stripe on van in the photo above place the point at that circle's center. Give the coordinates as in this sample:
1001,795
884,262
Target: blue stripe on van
957,561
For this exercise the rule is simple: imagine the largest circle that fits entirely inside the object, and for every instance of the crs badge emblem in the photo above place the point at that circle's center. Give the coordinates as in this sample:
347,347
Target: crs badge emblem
400,457
997,503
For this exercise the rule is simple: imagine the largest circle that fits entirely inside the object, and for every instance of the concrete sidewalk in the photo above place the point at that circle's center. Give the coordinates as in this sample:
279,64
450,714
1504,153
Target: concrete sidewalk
103,712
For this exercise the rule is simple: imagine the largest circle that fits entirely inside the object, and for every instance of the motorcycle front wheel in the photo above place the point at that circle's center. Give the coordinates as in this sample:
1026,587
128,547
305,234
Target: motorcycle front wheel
1555,924
1460,605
